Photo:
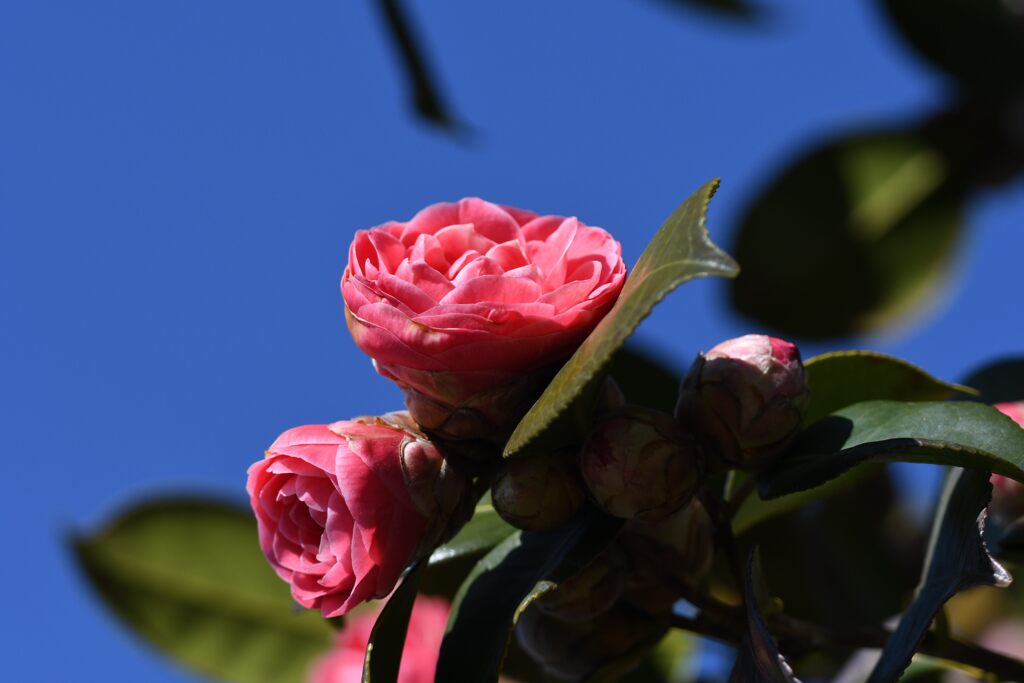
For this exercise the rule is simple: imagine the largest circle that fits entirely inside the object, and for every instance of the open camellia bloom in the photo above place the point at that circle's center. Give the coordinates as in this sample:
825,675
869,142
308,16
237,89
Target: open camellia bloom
342,509
470,306
1008,494
344,664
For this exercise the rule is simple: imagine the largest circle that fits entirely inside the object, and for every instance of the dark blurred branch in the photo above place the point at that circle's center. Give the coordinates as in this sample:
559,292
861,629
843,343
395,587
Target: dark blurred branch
426,94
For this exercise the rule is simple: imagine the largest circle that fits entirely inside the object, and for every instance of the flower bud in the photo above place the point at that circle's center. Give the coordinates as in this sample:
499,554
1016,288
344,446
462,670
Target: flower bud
537,493
1008,494
575,650
638,463
747,398
439,491
666,556
591,591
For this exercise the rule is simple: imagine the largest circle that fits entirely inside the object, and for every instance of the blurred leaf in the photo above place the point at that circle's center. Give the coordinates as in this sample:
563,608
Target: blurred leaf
645,379
957,559
858,547
426,95
758,660
850,238
978,42
955,433
484,530
999,382
737,9
187,574
387,639
842,378
755,511
679,252
505,582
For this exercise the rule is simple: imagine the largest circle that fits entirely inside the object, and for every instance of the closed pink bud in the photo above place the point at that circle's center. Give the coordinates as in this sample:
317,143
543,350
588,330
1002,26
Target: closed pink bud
538,493
667,557
1008,494
638,464
470,307
342,509
747,398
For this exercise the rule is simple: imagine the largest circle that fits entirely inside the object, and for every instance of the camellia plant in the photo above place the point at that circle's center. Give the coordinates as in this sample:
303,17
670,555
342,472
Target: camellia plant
552,505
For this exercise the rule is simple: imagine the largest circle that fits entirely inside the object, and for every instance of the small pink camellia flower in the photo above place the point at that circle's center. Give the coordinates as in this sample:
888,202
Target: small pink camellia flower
1008,494
342,509
344,664
469,307
747,397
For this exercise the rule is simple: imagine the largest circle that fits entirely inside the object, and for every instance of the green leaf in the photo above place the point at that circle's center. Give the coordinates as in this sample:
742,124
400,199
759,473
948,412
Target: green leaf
851,237
387,639
505,582
957,560
680,251
955,433
838,380
842,378
187,574
484,530
758,660
978,42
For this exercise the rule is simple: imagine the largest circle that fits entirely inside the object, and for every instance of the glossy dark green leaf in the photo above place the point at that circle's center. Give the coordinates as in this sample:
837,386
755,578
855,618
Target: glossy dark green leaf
955,433
758,659
679,252
1001,381
842,378
838,380
957,559
387,639
426,95
505,582
187,574
485,530
849,238
645,379
978,42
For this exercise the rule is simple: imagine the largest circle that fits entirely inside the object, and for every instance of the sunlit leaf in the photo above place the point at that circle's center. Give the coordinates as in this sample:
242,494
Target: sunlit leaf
955,433
680,251
852,237
187,574
505,582
957,559
842,378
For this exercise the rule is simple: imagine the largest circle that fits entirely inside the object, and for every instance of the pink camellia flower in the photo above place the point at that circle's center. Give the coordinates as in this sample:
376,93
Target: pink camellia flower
342,509
344,664
1008,494
747,397
470,306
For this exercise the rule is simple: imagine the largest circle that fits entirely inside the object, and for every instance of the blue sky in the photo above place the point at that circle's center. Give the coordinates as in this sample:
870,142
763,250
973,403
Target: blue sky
179,183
